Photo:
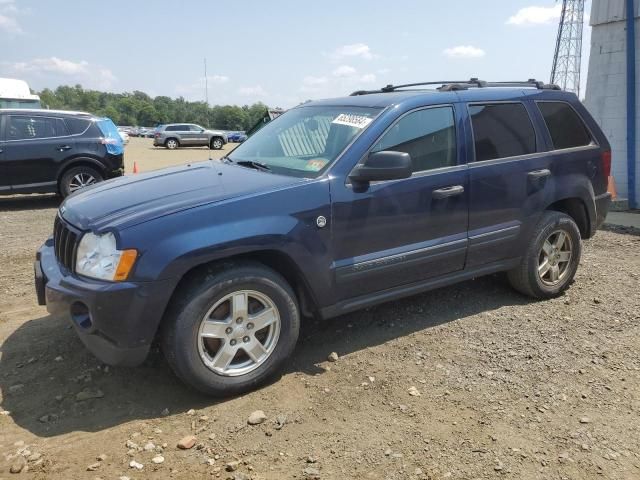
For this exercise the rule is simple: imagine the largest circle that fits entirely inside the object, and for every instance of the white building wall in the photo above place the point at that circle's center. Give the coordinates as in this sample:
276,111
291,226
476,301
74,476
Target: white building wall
606,94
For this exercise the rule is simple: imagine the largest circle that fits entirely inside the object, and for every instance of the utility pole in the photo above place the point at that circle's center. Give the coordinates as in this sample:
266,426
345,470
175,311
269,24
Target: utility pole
568,55
206,83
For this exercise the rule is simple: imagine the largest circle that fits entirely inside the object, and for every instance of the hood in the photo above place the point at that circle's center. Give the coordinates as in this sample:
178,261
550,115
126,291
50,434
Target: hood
133,199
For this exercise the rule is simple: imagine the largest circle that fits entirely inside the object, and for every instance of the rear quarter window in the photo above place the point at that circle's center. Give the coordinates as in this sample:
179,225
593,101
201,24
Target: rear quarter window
566,128
501,130
77,126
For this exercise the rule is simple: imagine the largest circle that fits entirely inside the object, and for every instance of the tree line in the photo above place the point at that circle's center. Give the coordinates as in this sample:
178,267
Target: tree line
139,109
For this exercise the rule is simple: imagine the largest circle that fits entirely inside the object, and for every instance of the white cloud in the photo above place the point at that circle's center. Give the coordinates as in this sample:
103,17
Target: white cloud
464,51
344,71
536,16
361,50
253,91
368,78
57,70
384,71
8,21
314,81
9,25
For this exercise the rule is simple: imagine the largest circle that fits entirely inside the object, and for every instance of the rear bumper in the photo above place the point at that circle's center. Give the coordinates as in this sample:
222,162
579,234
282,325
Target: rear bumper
603,202
116,321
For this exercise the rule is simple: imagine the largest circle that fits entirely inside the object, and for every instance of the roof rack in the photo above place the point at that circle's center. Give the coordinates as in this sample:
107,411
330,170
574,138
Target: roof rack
447,86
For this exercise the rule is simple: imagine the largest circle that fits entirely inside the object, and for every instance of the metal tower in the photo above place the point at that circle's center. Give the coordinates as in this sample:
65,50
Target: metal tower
566,61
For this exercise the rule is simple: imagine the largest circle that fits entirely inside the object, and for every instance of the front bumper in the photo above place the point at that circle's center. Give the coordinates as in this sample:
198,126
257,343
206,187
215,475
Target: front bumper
116,321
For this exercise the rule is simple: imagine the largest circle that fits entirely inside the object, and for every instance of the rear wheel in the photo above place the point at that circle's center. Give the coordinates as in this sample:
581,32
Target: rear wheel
230,330
216,143
77,178
171,144
552,257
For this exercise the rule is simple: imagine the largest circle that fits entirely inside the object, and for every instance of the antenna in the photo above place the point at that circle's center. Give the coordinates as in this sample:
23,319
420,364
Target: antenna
568,55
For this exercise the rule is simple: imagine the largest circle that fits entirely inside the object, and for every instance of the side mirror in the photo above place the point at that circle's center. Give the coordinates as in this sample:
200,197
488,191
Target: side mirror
387,165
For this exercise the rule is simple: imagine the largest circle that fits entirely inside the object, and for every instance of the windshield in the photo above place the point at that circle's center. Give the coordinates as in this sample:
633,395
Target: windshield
14,103
305,141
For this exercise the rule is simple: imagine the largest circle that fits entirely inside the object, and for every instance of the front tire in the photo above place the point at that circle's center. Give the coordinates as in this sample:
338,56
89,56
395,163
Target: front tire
231,328
551,260
217,143
77,178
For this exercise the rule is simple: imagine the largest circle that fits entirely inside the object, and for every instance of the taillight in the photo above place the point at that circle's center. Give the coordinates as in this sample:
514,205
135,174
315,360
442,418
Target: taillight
109,141
157,135
606,163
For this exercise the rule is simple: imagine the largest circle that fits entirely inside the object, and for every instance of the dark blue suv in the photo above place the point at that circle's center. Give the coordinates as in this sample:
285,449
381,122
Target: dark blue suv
334,206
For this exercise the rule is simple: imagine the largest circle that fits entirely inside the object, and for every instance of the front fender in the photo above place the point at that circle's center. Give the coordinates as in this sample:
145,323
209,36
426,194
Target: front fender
282,221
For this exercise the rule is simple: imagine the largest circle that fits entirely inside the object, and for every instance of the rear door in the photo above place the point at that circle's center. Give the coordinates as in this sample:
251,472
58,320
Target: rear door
509,179
35,146
399,232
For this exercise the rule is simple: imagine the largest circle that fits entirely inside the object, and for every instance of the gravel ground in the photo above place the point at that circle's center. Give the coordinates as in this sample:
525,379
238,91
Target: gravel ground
467,382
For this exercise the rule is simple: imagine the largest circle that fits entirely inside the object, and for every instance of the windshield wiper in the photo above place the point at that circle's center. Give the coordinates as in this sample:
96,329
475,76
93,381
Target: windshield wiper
252,164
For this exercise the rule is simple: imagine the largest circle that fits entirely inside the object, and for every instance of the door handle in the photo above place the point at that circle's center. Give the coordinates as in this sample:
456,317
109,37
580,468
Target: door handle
62,148
538,174
448,192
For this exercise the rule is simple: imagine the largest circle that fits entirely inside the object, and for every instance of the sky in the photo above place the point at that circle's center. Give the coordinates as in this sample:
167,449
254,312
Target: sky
279,52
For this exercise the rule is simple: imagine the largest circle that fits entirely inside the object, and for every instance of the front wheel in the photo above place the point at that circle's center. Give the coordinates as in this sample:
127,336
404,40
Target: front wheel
230,330
216,143
550,262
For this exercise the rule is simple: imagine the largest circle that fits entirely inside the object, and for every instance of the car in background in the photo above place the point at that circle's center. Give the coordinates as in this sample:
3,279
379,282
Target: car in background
124,135
174,135
52,151
237,137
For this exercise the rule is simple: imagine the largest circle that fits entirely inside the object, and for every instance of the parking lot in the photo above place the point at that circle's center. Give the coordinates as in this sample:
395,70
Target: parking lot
469,381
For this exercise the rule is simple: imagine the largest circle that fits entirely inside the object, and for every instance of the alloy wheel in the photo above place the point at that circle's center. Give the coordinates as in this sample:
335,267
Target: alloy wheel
554,259
81,180
239,333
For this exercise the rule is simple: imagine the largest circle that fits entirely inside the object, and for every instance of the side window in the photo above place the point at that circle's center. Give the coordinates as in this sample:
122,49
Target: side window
565,126
501,130
428,135
23,127
195,128
77,125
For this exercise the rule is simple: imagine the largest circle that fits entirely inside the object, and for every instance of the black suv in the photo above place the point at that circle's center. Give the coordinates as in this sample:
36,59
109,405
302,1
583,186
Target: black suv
334,206
48,151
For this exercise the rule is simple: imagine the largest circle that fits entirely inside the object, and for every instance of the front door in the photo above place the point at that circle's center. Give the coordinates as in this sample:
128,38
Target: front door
393,233
5,182
35,146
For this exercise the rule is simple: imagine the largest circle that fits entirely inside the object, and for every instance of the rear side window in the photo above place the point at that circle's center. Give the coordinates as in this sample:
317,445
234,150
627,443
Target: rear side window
501,130
77,126
173,128
428,135
566,128
24,127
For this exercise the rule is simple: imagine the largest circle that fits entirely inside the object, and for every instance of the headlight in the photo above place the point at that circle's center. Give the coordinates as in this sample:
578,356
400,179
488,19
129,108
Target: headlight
98,257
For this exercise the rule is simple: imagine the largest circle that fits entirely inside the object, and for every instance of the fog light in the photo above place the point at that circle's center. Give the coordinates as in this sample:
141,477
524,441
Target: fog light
80,315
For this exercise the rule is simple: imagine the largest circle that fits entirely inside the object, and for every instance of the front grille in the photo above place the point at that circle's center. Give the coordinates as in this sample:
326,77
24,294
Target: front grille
65,243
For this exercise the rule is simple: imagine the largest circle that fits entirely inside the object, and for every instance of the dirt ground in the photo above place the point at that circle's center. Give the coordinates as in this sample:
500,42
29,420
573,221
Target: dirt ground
504,387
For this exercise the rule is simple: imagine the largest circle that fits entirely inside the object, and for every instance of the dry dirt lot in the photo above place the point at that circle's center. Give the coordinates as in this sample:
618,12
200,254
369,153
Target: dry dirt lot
508,387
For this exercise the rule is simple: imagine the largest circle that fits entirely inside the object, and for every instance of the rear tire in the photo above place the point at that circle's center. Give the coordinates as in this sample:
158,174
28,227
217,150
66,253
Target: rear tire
551,260
213,336
77,178
171,143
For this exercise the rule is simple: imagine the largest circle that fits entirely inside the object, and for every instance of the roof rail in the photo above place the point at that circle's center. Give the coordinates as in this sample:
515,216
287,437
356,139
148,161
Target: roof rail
464,85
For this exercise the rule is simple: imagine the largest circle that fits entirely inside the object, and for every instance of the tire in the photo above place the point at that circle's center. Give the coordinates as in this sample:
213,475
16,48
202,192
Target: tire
171,143
205,300
536,276
216,143
78,177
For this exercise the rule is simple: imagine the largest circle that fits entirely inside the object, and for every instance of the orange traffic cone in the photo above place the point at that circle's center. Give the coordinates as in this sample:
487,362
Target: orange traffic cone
611,188
135,167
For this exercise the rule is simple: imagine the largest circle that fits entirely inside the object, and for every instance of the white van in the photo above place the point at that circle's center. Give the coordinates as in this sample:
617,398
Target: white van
16,94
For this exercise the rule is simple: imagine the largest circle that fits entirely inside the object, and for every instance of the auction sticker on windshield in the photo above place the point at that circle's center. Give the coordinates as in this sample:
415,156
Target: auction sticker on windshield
316,164
351,120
